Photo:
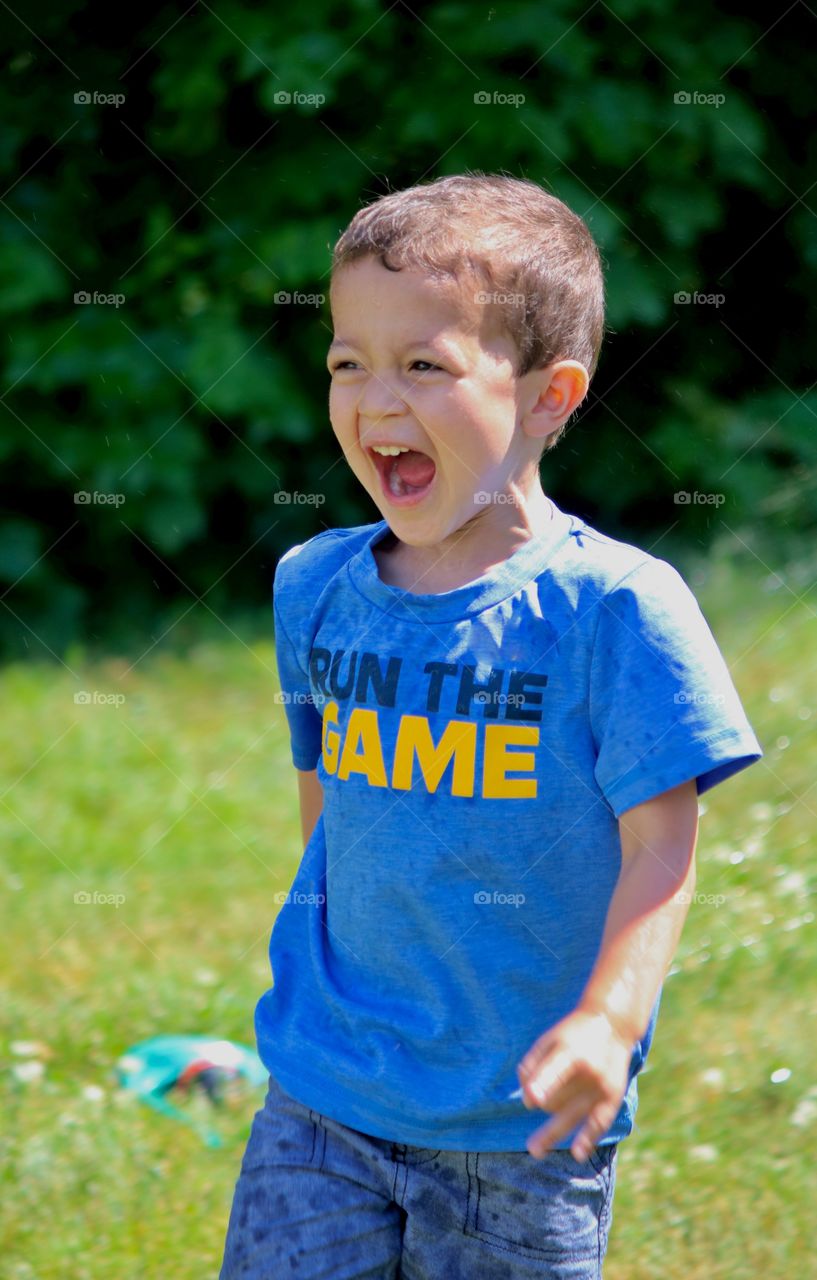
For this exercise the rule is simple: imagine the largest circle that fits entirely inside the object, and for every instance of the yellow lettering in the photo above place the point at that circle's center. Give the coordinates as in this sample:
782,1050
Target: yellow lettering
458,741
363,730
495,783
331,737
358,750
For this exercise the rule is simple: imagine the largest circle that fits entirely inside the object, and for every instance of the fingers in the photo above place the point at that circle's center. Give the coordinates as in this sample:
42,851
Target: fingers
540,1142
596,1124
550,1077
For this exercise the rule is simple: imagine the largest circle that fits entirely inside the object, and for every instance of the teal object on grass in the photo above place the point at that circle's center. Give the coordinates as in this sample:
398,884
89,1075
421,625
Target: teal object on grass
154,1067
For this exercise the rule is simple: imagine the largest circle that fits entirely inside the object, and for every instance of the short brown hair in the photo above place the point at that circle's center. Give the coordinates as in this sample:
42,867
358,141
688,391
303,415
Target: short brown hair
512,236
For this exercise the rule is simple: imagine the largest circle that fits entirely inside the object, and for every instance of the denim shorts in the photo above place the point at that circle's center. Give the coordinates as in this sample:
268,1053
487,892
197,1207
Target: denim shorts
317,1199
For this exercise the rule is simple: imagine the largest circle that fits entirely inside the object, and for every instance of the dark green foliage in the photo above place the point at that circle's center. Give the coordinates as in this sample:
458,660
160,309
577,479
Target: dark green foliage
201,197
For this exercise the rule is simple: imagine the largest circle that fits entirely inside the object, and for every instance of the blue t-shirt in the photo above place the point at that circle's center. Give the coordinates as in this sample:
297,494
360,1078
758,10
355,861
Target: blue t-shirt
476,748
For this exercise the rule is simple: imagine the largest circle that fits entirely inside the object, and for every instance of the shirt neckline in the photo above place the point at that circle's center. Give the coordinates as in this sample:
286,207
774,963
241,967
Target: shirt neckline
500,582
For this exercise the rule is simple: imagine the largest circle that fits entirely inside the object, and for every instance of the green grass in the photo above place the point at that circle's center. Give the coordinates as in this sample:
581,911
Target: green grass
183,799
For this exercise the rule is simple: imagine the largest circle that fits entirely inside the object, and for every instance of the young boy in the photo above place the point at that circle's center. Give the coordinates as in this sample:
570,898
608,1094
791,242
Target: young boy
501,721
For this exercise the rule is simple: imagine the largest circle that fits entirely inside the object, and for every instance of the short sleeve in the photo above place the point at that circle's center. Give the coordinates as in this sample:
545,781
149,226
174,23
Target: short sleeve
303,717
663,708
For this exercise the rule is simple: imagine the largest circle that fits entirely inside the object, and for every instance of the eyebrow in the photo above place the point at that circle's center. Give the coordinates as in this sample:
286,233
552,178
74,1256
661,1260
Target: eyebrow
416,342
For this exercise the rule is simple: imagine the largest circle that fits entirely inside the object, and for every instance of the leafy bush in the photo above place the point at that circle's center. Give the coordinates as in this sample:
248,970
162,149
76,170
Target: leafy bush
202,196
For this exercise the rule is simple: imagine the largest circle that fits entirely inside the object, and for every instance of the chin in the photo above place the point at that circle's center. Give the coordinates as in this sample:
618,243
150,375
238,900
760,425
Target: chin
420,531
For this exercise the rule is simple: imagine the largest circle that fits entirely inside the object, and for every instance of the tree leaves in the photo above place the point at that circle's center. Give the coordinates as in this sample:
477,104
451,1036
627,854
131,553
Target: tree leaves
246,141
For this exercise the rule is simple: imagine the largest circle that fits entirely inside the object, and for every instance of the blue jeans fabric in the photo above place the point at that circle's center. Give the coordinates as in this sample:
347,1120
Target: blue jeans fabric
315,1199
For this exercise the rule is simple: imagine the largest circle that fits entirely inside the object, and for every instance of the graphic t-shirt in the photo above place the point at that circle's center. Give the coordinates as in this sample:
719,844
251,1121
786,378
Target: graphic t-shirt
476,748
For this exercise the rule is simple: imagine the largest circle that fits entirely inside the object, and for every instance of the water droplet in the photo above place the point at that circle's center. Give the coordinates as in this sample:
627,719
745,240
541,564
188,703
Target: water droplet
780,1075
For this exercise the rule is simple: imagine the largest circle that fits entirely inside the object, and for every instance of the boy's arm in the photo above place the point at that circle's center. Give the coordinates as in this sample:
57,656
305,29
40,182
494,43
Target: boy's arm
647,910
310,793
580,1067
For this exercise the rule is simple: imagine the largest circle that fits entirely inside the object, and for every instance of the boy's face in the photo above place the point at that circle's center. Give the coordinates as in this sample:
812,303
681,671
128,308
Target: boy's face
414,364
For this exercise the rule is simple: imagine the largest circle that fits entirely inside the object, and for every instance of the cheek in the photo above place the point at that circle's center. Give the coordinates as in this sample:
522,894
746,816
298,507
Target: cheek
341,407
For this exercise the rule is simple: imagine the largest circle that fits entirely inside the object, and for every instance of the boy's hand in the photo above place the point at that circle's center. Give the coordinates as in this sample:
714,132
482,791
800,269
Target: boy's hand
577,1071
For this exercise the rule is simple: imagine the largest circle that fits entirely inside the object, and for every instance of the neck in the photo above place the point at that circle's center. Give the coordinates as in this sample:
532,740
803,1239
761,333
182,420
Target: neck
472,550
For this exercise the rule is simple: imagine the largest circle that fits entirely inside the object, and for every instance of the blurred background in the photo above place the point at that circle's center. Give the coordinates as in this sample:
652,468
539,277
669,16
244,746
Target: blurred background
170,196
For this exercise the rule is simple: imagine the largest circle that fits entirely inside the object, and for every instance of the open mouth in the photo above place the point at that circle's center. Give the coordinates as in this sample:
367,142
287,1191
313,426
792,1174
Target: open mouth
406,475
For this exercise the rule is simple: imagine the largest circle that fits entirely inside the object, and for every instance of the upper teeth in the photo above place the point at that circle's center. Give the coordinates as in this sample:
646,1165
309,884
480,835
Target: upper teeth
390,449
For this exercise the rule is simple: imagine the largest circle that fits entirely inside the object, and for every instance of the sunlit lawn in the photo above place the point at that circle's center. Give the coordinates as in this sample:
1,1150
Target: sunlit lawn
182,799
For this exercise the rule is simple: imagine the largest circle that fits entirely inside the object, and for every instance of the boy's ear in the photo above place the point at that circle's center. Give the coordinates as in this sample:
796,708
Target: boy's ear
551,395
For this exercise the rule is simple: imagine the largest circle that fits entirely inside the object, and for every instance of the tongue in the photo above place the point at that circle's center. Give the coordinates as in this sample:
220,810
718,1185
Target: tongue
415,468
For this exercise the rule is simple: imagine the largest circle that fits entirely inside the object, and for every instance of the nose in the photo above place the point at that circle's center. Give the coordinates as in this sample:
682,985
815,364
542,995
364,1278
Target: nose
379,400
